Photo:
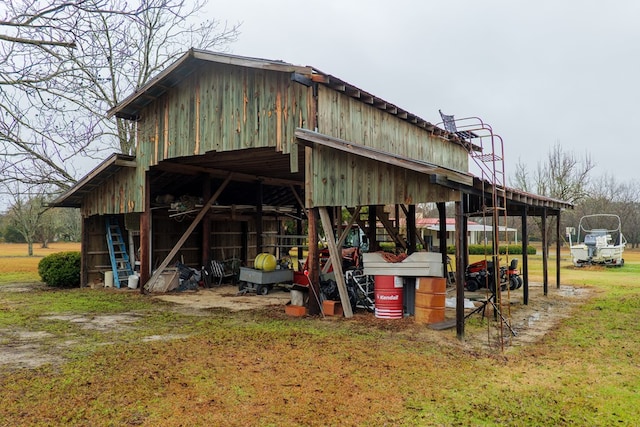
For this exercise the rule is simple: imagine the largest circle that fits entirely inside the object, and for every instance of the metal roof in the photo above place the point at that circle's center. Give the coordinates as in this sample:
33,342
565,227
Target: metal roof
72,198
184,66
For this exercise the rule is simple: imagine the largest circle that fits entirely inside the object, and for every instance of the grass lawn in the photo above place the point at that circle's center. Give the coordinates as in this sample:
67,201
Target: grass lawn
146,362
17,267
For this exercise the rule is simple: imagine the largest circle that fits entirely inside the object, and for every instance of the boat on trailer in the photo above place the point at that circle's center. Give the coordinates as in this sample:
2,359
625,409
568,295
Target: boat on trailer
600,245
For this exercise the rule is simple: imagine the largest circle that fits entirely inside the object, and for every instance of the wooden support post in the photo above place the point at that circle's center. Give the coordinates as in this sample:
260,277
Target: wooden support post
336,258
343,237
525,257
313,262
145,235
558,250
461,235
84,239
442,232
299,241
192,226
465,231
545,253
411,230
206,223
371,229
259,237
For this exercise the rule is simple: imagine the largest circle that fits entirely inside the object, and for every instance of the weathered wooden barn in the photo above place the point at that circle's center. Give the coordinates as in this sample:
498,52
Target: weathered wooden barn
229,147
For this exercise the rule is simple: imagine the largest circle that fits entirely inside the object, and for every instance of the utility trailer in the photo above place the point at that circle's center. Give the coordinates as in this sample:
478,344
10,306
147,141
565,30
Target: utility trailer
260,281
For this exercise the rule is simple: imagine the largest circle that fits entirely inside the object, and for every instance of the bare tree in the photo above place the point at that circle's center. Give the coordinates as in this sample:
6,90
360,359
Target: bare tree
563,176
64,63
25,215
607,195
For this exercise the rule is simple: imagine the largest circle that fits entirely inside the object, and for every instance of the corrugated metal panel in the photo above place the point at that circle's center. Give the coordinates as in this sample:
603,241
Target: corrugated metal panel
347,118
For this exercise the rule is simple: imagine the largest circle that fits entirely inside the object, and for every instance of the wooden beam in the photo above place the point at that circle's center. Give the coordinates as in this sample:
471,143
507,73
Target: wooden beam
184,169
558,250
313,262
190,229
336,258
145,235
343,236
389,227
461,236
545,254
525,258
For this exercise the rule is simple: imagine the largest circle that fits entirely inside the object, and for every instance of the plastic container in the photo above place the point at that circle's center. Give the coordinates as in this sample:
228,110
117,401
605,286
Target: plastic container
133,281
108,279
265,261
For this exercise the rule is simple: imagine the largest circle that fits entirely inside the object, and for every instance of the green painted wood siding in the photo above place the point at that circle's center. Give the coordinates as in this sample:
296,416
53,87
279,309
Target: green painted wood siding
223,108
346,118
347,180
217,108
342,179
121,193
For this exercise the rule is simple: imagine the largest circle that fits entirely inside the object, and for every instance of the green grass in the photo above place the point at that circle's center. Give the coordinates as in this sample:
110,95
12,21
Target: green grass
262,368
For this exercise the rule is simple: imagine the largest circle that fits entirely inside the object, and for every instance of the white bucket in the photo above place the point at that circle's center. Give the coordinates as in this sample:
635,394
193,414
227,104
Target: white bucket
133,281
108,279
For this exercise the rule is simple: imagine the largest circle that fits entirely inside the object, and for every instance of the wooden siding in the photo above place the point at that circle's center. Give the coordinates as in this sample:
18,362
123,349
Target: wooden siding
347,118
120,193
224,108
217,108
341,179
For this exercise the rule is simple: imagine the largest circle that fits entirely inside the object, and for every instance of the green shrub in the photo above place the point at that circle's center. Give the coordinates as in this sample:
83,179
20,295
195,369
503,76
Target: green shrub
61,269
388,246
482,250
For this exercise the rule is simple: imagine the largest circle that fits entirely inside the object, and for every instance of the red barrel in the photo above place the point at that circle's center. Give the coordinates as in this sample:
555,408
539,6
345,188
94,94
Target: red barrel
388,297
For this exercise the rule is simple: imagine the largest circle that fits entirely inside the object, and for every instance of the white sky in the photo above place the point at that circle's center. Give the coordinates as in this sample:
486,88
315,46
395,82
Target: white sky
539,72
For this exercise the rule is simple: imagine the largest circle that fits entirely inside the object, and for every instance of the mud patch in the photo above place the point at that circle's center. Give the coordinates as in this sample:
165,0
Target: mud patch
102,322
168,337
527,324
227,297
26,349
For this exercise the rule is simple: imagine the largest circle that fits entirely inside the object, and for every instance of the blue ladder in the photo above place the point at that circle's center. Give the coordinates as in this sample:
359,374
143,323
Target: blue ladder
120,263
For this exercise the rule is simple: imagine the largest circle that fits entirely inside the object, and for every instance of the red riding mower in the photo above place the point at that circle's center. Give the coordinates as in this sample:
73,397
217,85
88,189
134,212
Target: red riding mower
481,275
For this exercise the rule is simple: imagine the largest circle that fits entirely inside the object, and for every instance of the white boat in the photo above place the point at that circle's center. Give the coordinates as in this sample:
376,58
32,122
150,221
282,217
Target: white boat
602,246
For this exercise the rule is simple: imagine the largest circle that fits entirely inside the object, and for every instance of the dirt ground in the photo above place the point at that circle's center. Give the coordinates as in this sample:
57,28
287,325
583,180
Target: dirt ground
524,324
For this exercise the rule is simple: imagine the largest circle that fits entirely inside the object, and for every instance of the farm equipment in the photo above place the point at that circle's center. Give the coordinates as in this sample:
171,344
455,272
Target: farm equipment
481,275
601,245
267,274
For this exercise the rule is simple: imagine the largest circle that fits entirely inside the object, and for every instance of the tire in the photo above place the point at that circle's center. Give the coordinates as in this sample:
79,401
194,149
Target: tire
262,290
513,283
472,285
520,282
242,286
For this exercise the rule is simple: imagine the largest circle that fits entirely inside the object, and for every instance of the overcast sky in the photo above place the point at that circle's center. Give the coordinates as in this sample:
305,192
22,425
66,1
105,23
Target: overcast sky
539,72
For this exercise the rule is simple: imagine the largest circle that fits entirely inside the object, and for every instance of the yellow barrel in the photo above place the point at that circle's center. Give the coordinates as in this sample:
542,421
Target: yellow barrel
430,299
265,261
